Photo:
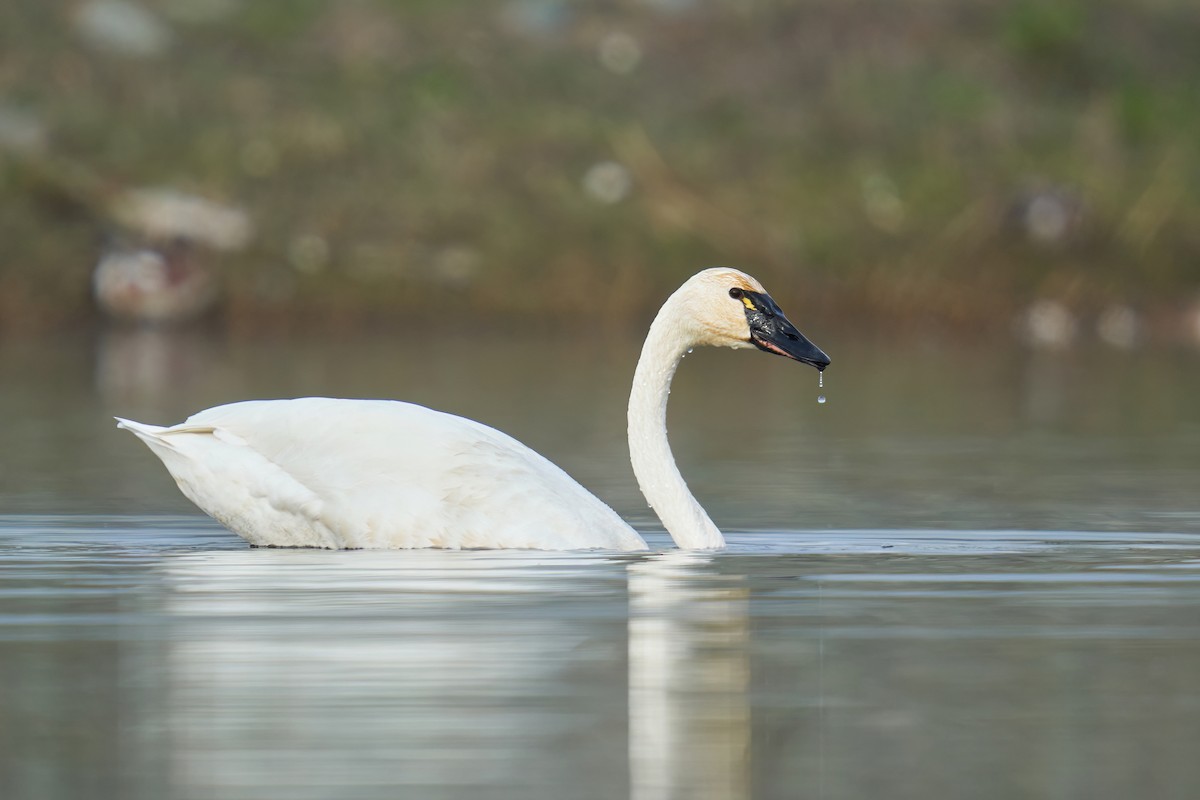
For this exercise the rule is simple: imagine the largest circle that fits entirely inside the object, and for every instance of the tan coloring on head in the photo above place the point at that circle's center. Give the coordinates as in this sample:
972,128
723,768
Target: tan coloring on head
717,318
733,278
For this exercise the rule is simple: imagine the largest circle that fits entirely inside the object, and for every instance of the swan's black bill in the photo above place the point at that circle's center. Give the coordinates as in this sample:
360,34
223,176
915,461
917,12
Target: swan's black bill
771,331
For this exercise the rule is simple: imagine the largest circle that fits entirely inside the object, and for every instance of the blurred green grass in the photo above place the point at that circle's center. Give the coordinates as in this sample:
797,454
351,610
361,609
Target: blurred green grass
862,157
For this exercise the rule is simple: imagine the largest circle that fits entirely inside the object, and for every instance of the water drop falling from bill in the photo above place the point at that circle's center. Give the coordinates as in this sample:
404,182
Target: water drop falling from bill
821,385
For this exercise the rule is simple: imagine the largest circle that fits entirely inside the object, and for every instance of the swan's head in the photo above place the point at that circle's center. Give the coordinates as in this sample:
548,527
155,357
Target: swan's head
728,308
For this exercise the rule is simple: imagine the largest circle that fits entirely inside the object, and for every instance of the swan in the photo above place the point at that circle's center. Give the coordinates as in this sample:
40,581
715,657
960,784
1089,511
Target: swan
330,473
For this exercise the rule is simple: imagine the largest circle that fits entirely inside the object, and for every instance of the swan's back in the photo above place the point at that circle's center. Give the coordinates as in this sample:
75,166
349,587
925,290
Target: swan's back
320,472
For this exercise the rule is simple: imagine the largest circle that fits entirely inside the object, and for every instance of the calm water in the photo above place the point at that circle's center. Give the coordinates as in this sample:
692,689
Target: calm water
972,572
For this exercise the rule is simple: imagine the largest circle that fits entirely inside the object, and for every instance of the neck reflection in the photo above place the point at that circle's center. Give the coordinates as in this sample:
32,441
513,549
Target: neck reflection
689,717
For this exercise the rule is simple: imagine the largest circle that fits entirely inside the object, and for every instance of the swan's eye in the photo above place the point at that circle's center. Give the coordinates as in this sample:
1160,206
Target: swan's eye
735,293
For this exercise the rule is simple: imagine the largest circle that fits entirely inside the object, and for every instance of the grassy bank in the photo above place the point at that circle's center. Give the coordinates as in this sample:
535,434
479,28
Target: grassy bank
543,158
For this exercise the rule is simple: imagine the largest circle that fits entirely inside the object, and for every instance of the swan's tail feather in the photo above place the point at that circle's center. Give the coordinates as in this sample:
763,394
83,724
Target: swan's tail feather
158,431
129,424
151,435
140,429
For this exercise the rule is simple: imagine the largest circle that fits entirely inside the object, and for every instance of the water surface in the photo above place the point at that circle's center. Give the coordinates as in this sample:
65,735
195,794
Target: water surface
973,572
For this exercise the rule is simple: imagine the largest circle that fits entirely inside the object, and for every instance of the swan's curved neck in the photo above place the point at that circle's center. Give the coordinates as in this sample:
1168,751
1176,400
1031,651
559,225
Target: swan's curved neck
653,464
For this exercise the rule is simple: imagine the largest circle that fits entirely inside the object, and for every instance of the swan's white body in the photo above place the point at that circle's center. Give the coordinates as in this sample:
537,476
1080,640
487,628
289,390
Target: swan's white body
320,472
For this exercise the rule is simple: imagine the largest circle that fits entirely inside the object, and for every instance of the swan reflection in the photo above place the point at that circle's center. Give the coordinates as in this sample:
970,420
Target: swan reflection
294,672
689,671
298,673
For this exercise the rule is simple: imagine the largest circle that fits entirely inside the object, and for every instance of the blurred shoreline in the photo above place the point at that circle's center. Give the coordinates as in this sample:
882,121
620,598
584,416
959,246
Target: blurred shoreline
979,168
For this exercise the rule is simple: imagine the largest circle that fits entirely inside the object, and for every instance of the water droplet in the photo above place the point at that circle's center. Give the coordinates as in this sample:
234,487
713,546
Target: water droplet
820,380
821,399
689,350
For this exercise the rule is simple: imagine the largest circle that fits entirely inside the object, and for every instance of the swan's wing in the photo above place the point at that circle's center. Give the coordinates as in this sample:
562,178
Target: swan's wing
231,481
389,474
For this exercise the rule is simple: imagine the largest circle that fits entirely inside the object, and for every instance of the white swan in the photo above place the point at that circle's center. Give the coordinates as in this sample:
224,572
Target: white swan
318,472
